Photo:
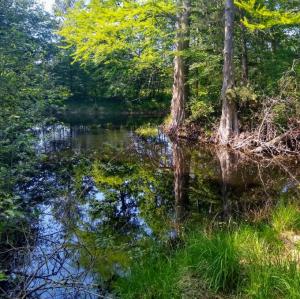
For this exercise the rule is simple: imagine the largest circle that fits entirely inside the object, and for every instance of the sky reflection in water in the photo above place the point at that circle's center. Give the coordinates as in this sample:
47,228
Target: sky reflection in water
103,192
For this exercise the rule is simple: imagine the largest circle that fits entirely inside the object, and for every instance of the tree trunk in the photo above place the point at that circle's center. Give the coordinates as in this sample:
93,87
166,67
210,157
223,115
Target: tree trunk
229,121
180,86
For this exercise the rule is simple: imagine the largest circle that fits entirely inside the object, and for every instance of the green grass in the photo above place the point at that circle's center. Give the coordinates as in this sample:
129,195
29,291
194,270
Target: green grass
241,262
215,260
286,217
147,131
155,276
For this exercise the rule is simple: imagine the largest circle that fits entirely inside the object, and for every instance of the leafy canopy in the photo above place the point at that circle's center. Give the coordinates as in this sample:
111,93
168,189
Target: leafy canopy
265,17
105,30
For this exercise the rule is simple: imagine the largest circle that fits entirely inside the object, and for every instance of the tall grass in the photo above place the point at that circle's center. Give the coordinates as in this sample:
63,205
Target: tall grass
214,260
286,217
241,262
154,276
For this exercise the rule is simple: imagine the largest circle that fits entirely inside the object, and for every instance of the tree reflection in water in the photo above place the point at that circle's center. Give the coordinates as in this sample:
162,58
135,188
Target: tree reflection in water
181,162
104,198
228,165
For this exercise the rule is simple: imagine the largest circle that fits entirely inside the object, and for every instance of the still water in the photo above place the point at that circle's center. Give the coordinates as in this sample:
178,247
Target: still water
103,192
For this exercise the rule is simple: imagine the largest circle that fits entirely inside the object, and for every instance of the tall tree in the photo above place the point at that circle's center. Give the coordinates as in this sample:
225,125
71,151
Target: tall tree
229,122
181,68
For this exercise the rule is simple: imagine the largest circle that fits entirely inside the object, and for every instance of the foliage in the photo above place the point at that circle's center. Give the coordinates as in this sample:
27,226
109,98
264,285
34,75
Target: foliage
267,18
100,30
128,42
119,53
147,131
200,110
245,94
155,276
278,112
132,59
286,217
287,107
205,54
2,277
28,90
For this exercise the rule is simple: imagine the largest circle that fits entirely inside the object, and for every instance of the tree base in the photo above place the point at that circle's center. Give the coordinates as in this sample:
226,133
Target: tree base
253,143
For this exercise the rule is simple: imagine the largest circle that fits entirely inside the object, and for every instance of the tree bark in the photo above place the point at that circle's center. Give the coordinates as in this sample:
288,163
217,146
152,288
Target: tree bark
181,68
229,122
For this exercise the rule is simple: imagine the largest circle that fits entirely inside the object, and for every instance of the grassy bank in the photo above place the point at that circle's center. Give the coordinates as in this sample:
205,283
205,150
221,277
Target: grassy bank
245,261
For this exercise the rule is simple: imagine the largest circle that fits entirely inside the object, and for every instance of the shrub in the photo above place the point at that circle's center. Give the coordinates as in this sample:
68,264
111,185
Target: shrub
200,110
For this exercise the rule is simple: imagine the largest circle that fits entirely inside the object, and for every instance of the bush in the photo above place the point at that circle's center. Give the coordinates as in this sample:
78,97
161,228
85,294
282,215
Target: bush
200,110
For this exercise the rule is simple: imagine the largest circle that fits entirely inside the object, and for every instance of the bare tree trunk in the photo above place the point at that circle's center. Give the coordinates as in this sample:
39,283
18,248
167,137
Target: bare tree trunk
229,122
180,86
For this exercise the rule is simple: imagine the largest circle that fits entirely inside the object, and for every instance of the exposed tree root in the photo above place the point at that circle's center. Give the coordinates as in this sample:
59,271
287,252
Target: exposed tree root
255,143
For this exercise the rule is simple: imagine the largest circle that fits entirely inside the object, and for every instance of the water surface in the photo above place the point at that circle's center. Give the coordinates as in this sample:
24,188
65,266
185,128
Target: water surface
103,195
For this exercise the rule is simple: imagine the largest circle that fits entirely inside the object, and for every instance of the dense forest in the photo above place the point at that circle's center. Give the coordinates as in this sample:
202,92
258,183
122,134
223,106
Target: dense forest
140,100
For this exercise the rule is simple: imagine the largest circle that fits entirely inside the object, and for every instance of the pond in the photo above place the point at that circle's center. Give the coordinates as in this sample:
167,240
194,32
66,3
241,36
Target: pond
103,194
